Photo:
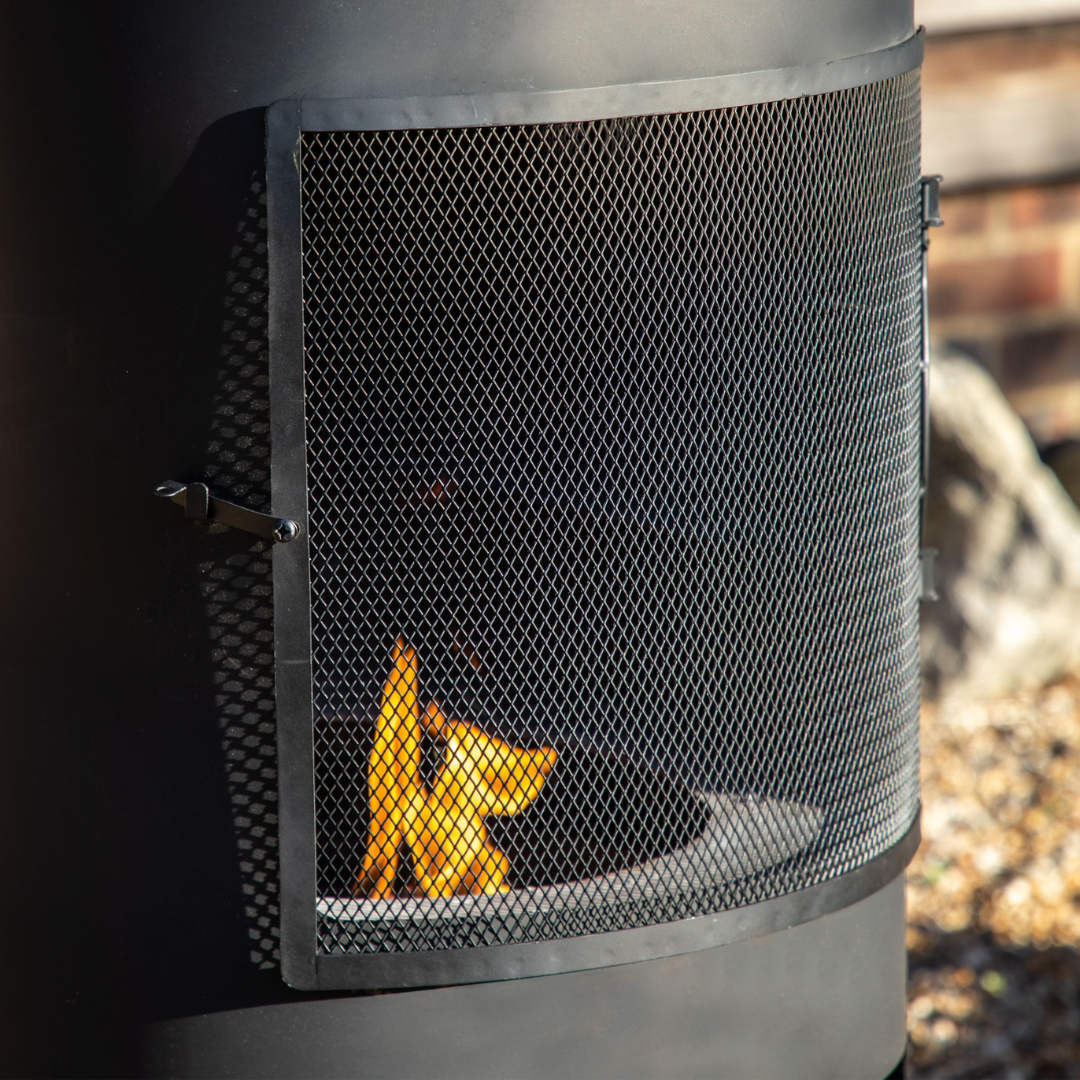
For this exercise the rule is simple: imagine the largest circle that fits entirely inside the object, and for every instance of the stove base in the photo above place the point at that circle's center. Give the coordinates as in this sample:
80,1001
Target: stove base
824,999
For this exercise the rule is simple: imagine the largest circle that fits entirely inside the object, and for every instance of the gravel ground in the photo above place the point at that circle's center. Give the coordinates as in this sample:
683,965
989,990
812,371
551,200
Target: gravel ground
994,892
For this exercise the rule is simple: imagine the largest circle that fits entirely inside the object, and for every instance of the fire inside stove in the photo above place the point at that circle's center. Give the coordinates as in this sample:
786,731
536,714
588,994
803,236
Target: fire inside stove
442,827
456,814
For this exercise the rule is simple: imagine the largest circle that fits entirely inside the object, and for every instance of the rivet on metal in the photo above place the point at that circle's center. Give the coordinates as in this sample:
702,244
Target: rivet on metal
285,530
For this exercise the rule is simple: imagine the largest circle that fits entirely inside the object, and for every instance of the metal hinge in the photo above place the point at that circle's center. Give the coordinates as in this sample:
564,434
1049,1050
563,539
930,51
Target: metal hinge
930,215
927,585
931,202
200,505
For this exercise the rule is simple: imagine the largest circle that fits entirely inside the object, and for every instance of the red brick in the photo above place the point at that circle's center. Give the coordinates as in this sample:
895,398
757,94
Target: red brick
992,285
964,214
1041,358
967,58
1051,204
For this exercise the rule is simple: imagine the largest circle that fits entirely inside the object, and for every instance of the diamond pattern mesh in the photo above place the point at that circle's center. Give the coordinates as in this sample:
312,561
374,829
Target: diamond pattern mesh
615,424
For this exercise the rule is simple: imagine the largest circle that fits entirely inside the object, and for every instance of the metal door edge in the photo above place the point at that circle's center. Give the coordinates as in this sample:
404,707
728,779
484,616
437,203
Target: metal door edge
302,968
292,614
607,102
387,971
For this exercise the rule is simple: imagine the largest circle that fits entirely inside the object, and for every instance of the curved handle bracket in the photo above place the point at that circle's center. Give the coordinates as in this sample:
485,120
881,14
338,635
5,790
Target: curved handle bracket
200,505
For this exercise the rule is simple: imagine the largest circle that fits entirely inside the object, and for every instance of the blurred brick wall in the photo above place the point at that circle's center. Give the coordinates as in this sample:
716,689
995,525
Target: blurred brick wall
1005,284
1001,121
1001,106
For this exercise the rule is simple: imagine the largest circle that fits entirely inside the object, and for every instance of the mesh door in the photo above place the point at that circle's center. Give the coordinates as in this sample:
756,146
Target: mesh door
614,426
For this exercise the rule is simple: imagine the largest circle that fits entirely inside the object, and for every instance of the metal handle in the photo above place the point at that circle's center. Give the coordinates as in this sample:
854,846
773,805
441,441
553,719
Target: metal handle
200,505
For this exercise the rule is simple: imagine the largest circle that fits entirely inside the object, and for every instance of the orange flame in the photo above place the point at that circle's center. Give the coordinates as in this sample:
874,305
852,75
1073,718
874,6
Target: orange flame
442,827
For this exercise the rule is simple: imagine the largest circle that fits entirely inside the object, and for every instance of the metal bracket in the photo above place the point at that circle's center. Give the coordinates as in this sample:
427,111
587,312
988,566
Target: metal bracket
927,585
931,201
200,505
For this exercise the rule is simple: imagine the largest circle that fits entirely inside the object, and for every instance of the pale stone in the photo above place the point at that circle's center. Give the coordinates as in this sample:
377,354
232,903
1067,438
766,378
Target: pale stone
1008,537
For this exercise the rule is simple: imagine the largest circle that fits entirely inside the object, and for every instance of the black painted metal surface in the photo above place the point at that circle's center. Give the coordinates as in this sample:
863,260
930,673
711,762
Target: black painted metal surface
820,1001
137,737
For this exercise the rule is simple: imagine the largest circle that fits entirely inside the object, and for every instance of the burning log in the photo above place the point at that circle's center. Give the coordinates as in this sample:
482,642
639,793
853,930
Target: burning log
443,827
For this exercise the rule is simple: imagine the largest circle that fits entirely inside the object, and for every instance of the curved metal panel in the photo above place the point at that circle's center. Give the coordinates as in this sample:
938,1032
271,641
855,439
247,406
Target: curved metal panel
133,255
249,55
821,1000
609,102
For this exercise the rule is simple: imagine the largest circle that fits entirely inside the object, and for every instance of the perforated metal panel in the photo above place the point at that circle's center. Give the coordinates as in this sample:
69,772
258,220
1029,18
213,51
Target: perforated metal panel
615,426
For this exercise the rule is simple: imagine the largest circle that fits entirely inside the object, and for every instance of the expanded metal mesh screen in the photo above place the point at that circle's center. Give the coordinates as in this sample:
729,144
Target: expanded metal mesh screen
614,426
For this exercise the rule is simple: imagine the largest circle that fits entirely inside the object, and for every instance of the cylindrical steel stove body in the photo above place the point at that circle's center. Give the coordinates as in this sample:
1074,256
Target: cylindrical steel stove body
139,812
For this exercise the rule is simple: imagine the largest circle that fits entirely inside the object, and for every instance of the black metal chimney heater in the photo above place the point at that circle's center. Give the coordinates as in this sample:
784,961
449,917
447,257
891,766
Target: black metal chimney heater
517,671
